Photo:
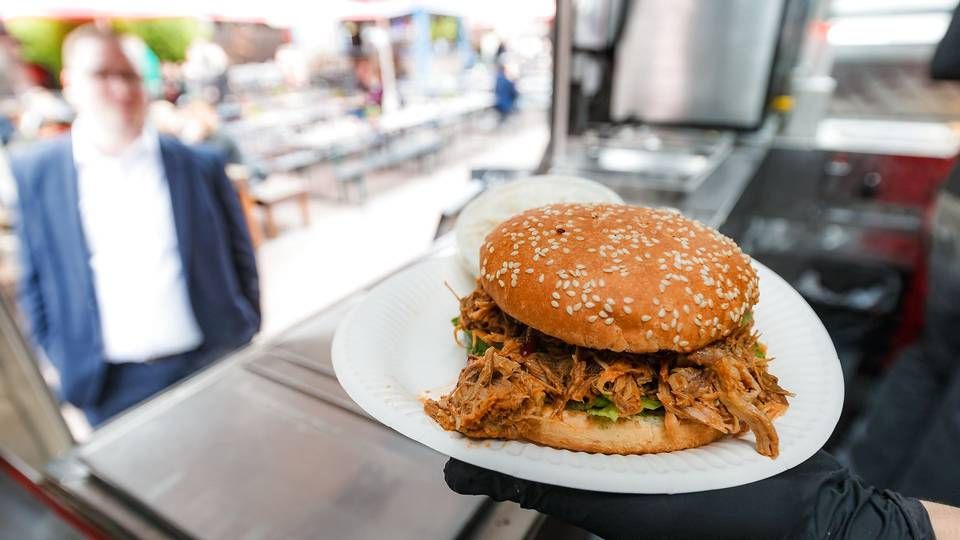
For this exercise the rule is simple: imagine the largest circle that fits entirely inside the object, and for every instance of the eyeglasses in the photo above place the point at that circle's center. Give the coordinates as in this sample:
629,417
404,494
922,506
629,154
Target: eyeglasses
126,76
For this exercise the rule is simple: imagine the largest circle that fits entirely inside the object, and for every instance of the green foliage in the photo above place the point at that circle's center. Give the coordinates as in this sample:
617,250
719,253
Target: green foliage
167,38
40,39
444,27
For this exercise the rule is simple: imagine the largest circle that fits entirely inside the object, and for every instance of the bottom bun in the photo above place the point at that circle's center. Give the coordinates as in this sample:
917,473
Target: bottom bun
574,430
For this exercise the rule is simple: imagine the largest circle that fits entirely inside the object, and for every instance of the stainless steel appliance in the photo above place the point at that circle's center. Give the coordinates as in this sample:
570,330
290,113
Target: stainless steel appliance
659,93
695,62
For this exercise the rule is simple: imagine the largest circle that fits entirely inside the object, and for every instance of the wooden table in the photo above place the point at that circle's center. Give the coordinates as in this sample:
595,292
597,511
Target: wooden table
278,189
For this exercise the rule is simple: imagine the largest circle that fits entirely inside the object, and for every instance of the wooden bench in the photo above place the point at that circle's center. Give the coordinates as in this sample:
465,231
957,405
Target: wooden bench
292,161
239,176
278,189
353,173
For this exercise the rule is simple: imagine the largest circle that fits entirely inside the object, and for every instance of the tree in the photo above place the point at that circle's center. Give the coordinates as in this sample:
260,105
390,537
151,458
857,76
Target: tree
42,38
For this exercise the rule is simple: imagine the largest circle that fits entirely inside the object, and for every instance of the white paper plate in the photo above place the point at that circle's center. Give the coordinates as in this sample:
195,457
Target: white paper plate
397,346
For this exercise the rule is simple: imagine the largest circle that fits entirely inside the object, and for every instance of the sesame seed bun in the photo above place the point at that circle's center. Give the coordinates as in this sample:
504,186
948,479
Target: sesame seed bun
617,277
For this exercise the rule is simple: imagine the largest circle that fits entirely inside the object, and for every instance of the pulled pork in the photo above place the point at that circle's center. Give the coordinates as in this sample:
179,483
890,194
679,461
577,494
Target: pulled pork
525,374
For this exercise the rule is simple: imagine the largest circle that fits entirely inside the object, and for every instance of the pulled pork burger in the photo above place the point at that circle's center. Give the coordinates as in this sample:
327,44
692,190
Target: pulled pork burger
611,329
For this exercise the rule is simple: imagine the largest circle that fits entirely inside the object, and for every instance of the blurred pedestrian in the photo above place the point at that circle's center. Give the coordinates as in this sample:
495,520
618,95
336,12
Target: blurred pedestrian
137,267
505,93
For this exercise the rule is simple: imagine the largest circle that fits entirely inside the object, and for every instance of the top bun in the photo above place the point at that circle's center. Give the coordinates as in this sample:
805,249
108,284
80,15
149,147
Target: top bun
618,277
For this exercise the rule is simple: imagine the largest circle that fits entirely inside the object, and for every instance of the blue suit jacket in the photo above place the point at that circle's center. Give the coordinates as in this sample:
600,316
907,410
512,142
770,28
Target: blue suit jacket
57,288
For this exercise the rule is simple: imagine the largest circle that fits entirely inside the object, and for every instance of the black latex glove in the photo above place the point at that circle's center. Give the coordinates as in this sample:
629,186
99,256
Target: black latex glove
817,499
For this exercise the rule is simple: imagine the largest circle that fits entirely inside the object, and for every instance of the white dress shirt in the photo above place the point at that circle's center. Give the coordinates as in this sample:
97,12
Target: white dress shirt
138,275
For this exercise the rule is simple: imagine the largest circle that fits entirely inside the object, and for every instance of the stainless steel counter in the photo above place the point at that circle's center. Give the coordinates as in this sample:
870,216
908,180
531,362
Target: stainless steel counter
267,445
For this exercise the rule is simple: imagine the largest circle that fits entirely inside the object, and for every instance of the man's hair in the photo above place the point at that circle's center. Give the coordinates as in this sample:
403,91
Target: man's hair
83,32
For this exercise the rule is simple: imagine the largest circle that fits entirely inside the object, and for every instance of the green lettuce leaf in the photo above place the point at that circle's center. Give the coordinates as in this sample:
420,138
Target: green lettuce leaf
598,402
651,404
746,319
477,347
602,407
609,411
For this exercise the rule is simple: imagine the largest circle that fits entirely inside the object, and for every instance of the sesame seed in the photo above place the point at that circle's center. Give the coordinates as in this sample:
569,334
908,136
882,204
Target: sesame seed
662,313
656,301
555,295
684,343
554,303
627,309
676,339
608,321
664,326
501,283
602,314
627,300
645,318
649,334
589,304
540,279
592,318
608,307
569,310
571,293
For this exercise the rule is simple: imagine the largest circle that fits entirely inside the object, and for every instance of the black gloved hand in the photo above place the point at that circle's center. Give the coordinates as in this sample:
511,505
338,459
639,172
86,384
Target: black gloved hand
817,499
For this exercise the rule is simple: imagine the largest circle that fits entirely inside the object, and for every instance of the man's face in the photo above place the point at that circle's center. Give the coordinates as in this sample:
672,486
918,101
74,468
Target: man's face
105,89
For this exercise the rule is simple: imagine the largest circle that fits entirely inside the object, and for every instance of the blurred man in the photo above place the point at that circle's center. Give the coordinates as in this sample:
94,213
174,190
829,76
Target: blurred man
137,264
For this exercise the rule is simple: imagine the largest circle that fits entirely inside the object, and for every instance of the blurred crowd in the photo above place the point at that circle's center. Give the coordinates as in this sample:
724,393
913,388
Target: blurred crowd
192,99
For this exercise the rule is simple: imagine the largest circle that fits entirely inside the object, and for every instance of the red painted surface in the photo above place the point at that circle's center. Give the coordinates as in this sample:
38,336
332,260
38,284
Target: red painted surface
914,182
76,522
